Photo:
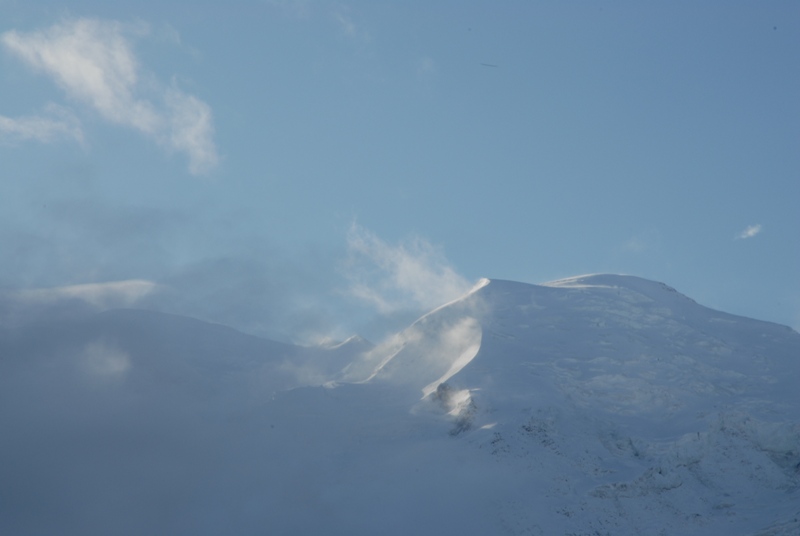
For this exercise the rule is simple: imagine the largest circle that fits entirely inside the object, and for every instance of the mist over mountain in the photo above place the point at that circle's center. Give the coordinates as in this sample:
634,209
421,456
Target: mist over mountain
598,404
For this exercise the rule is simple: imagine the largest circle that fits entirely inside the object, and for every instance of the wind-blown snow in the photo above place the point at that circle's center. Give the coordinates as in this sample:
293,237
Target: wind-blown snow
599,404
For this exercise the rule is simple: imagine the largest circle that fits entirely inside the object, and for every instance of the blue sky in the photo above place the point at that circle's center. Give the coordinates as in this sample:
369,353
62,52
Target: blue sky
307,169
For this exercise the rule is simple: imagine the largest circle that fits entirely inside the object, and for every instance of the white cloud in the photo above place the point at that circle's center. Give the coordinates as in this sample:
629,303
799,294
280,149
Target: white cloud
191,129
93,62
55,124
412,275
101,295
750,232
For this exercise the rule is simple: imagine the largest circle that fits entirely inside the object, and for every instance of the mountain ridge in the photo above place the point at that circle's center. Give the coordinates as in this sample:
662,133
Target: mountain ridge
593,405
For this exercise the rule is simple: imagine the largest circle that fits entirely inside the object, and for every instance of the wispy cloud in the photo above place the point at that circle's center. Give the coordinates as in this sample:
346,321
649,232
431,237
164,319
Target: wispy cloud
56,123
345,23
750,231
411,275
31,305
100,295
93,62
190,128
346,19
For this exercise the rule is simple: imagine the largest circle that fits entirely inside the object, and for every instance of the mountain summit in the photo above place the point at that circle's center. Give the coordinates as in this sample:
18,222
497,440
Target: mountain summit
598,404
631,408
621,343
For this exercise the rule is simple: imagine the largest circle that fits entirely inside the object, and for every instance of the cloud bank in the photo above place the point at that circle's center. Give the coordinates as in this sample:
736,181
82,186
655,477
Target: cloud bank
411,275
93,62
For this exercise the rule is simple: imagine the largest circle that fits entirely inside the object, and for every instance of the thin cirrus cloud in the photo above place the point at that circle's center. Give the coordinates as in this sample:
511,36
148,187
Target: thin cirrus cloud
412,275
93,62
56,123
750,232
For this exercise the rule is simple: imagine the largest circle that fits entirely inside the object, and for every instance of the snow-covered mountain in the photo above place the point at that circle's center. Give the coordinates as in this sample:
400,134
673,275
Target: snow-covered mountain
599,404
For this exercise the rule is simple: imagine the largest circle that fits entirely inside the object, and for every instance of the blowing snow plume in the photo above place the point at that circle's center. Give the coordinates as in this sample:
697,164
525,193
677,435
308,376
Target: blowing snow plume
411,275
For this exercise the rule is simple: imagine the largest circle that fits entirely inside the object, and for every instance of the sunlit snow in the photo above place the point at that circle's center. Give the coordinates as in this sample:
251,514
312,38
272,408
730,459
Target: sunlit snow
599,404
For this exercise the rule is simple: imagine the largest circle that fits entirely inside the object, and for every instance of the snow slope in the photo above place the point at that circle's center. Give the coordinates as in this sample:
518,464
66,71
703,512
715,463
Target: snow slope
593,405
634,409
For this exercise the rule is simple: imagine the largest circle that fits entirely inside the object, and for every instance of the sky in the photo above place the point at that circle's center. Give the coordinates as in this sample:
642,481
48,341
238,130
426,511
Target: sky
308,170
